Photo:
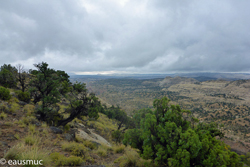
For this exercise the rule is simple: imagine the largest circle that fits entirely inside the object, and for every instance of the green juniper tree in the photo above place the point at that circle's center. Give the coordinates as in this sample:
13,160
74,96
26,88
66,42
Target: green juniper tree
7,76
44,88
167,137
48,86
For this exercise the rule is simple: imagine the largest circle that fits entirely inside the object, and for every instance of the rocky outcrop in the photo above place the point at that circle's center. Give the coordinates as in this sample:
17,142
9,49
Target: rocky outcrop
56,130
89,134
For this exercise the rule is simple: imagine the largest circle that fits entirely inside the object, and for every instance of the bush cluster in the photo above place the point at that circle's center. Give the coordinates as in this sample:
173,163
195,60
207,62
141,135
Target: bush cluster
24,96
170,139
76,149
61,160
4,93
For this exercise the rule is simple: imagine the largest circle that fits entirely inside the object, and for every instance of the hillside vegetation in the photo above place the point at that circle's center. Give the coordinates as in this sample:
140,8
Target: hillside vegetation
43,116
220,101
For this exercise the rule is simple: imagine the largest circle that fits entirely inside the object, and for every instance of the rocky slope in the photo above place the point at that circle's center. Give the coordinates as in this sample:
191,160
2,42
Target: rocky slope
21,133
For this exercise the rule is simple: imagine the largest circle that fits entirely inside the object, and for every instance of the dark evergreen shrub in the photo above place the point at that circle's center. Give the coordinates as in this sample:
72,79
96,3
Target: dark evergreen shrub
4,93
24,96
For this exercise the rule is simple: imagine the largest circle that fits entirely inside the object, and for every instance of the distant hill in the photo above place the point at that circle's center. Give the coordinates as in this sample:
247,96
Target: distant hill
204,78
198,76
169,81
214,76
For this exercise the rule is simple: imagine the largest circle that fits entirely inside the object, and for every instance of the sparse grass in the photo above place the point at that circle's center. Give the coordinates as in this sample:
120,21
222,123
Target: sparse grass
3,115
37,154
17,136
132,158
47,142
32,140
14,106
104,125
89,144
45,132
111,164
76,149
58,136
25,152
24,121
78,139
4,108
119,148
44,125
57,142
14,152
21,124
86,143
29,109
32,128
101,151
61,160
29,149
8,123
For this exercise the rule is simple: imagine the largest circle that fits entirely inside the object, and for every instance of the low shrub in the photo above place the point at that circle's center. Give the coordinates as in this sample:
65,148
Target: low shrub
3,115
27,120
4,93
29,109
66,127
86,143
55,156
25,152
14,107
61,160
24,96
119,148
44,125
31,140
4,108
17,136
14,152
89,144
132,158
76,149
78,139
117,135
32,128
9,123
101,151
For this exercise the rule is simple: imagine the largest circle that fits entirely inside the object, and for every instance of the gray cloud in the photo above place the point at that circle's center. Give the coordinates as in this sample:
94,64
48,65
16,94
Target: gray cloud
134,36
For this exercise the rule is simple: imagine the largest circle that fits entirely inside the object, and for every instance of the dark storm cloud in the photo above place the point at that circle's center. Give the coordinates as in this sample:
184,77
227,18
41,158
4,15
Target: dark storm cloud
128,36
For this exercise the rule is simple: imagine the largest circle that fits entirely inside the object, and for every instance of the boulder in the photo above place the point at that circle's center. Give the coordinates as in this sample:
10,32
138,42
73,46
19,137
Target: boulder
56,130
93,137
22,103
70,136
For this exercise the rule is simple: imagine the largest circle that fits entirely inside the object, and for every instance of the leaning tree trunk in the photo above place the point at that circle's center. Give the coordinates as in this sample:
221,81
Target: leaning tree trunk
73,115
69,119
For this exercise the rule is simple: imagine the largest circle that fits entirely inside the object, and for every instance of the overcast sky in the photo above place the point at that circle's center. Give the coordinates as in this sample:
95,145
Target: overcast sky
127,36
